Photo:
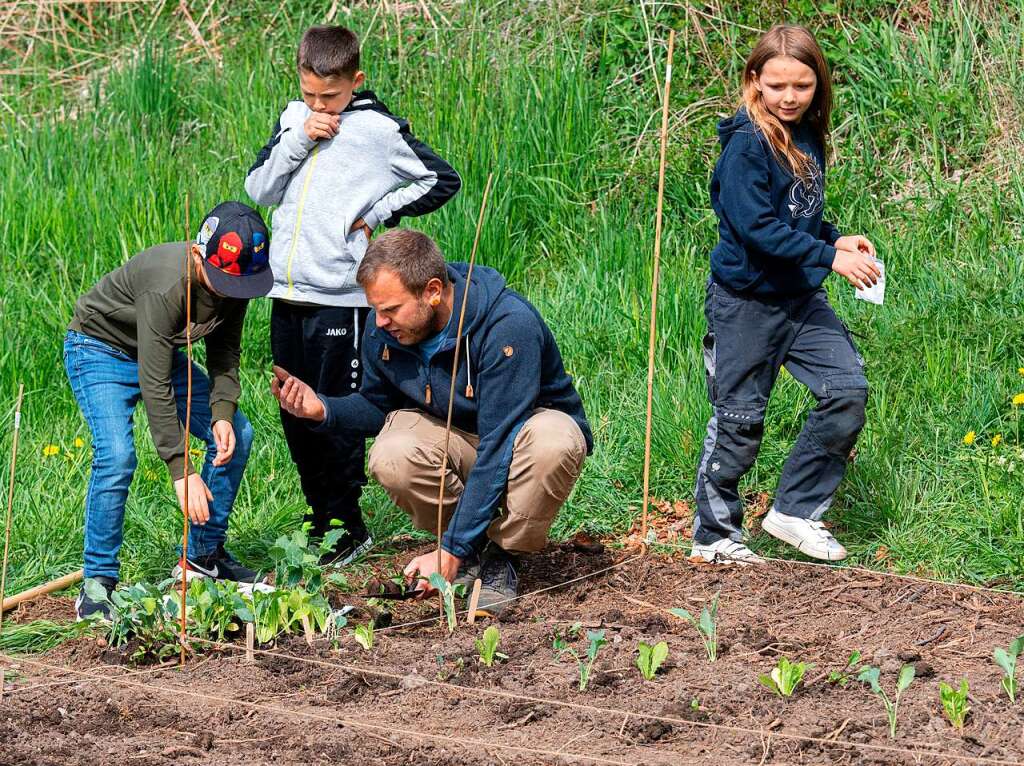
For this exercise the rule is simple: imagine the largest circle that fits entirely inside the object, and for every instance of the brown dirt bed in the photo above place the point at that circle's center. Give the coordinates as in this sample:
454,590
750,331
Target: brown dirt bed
809,614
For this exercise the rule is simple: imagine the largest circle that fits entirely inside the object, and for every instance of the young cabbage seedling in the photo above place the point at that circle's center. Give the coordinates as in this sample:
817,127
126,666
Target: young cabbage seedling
842,677
596,640
707,626
785,677
870,674
954,703
650,658
1007,660
487,647
448,593
363,634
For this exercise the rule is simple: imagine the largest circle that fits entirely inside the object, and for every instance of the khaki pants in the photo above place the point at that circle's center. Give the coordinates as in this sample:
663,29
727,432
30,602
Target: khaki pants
547,457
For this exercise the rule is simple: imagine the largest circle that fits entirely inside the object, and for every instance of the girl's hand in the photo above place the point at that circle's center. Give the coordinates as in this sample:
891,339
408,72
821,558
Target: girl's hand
856,242
857,266
224,437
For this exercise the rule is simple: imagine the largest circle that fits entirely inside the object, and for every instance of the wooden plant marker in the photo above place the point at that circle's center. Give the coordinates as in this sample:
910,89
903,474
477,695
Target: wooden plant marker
307,629
474,599
250,641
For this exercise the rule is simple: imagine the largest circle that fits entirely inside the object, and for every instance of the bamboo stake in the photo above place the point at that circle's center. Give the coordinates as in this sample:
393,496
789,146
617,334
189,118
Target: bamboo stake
41,590
654,290
451,390
188,424
10,505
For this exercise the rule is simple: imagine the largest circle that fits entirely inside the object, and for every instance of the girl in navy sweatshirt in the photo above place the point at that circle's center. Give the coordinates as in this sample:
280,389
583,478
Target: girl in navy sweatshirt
765,306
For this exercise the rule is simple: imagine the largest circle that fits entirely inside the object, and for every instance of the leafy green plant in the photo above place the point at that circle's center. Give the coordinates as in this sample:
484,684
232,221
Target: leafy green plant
561,638
784,677
842,677
650,658
595,640
217,610
1007,660
143,615
297,561
487,646
448,593
870,675
954,703
363,634
706,625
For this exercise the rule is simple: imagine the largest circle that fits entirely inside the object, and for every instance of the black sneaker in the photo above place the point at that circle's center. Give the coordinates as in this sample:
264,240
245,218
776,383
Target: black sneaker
348,548
220,565
499,581
87,607
469,570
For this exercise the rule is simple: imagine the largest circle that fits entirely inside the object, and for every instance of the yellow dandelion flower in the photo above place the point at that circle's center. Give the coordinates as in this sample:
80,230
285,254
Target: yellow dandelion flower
969,437
1018,399
996,439
1020,370
79,442
50,450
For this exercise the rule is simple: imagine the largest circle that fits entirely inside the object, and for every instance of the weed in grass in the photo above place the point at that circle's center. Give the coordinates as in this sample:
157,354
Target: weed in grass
595,640
784,677
41,635
1007,660
842,677
363,634
954,703
487,646
870,675
650,658
706,625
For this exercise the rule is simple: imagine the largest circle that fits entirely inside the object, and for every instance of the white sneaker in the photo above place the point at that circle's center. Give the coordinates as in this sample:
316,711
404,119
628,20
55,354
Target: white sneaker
805,535
726,551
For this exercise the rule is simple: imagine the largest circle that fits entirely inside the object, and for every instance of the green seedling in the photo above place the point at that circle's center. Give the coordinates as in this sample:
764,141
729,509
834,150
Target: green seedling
487,647
954,703
870,675
363,634
141,612
785,677
1007,660
843,677
560,639
595,640
650,658
448,593
707,626
695,704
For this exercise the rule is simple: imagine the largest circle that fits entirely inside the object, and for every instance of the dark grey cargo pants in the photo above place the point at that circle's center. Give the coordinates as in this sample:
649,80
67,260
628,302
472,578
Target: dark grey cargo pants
748,340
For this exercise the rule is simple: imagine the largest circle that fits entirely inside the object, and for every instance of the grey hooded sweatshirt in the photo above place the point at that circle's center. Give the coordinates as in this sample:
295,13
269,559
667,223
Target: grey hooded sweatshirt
374,169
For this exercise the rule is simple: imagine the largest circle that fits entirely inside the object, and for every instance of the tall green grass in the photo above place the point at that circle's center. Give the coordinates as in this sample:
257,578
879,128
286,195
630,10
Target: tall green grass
562,108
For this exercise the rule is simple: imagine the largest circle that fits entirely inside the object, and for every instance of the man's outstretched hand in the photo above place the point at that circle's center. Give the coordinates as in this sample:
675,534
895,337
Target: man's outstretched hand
295,397
421,567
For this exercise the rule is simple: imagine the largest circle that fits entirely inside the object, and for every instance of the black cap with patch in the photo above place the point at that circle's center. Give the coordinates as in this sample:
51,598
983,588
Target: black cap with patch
236,249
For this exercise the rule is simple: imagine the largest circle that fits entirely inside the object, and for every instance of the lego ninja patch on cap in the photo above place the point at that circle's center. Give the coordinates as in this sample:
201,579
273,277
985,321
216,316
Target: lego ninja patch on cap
234,242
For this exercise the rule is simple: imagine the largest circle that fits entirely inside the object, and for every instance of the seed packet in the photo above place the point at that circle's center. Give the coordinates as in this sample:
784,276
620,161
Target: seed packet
875,293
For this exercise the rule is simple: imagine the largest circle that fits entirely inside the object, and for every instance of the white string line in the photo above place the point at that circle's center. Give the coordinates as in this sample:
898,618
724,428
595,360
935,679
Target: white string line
69,681
860,569
476,744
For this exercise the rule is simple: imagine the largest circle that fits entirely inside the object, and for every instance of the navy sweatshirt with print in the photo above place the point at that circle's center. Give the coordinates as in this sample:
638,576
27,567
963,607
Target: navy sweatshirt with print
513,362
772,241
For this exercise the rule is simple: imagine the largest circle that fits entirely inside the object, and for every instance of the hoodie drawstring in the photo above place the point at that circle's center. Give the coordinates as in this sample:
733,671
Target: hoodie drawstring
469,371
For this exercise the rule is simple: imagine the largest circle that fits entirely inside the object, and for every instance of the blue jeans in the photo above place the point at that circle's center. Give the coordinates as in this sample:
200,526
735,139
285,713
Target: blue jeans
105,381
748,340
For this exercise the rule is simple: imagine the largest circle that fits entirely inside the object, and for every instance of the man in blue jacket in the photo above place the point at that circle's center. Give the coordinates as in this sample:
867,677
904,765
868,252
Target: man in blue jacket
519,435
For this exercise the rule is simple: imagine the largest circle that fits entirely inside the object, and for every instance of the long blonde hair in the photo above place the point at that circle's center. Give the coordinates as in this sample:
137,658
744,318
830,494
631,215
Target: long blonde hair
798,42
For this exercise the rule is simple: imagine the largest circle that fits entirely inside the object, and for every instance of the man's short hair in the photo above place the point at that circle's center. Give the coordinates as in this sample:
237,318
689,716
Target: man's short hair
413,256
329,52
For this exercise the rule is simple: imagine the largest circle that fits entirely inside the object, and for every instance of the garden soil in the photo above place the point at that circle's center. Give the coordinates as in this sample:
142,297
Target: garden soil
419,686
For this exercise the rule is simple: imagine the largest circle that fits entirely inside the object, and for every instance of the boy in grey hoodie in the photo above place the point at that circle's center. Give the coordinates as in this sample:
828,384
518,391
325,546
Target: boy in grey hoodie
338,165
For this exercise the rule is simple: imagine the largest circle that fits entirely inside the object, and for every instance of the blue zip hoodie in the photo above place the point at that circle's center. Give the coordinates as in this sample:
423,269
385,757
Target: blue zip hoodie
772,241
514,366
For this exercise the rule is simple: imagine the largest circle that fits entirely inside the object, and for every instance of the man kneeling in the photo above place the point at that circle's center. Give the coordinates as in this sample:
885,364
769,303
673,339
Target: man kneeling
519,435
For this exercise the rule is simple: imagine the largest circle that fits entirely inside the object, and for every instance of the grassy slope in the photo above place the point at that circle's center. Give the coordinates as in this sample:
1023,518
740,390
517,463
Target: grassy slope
561,105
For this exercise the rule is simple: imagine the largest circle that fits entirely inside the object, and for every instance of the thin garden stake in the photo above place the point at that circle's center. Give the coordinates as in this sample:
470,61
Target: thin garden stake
188,423
10,505
654,290
451,390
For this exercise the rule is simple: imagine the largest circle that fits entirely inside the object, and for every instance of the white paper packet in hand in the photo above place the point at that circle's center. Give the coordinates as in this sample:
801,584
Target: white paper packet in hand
875,293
